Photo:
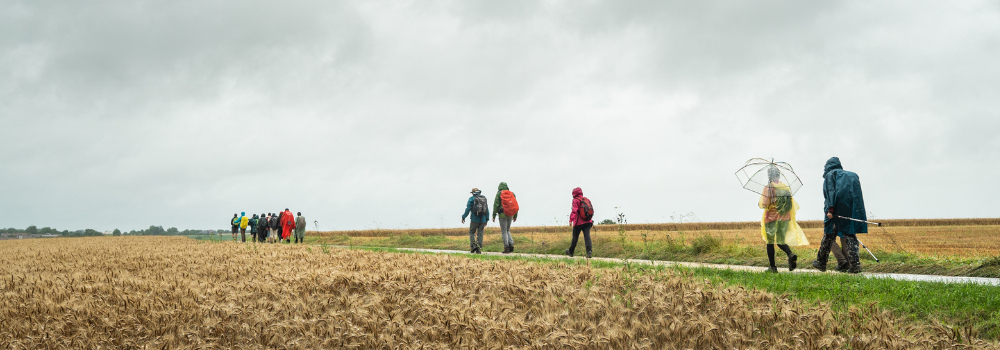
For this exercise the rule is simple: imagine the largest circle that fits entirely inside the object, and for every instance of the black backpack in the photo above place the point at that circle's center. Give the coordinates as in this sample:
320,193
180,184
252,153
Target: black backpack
479,206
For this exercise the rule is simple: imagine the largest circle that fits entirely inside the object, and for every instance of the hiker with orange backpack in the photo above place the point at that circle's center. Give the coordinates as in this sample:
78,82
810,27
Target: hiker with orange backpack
582,219
505,204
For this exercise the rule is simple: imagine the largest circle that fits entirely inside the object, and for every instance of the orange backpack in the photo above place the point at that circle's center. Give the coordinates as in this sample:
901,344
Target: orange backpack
509,203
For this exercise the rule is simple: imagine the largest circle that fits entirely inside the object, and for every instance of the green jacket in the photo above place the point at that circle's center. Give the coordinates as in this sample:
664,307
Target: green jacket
300,223
497,206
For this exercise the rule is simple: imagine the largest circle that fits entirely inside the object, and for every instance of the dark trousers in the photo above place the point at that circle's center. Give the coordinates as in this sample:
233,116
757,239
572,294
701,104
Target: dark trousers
783,247
585,228
850,248
243,234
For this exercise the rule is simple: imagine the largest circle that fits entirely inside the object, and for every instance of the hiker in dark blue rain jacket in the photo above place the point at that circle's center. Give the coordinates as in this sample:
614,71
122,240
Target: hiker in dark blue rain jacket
477,202
842,197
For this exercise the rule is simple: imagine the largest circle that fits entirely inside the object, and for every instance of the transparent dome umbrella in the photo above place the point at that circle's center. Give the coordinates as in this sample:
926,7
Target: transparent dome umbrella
754,175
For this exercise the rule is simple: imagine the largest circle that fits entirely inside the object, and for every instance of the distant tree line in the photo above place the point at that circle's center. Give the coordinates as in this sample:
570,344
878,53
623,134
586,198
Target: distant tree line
173,231
151,231
34,230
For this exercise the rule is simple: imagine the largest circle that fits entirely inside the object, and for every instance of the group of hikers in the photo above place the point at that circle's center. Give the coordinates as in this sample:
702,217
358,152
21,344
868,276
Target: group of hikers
843,208
270,227
581,217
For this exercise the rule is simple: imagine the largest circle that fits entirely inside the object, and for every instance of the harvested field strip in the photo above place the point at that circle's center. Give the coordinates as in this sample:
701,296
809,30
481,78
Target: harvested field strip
695,226
178,293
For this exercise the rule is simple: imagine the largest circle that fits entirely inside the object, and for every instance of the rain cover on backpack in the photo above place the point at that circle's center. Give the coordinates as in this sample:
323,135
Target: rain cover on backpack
509,203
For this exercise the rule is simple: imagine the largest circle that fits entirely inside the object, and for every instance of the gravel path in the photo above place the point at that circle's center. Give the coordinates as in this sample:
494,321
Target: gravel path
802,262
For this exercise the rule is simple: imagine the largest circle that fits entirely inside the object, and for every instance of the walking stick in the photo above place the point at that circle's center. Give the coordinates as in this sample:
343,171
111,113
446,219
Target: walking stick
866,248
859,241
857,220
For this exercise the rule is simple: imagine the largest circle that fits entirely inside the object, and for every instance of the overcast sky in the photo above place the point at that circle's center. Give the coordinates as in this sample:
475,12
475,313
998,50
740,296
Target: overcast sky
385,114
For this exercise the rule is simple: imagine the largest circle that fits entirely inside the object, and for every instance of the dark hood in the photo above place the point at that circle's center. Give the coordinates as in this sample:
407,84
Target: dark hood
503,187
832,164
577,192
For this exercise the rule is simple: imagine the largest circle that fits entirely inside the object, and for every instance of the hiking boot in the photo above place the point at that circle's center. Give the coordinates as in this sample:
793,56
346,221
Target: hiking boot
568,253
819,266
854,269
511,249
590,254
472,250
772,269
506,250
793,262
843,267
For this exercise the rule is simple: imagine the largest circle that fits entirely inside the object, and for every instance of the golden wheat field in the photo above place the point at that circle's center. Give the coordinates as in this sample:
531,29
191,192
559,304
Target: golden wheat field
173,292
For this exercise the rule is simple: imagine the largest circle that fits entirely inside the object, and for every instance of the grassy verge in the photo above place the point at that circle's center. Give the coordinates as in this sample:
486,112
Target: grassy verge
684,247
973,307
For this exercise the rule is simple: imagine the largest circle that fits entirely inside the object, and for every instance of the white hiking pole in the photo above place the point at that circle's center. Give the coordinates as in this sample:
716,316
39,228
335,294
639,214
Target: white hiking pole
869,251
857,220
859,241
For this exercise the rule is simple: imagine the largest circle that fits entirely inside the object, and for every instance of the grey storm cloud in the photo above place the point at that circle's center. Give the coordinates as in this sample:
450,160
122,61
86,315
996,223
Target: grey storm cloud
384,114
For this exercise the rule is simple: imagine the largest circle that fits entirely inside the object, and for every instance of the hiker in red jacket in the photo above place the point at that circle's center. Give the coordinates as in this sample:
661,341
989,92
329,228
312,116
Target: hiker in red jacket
582,219
287,224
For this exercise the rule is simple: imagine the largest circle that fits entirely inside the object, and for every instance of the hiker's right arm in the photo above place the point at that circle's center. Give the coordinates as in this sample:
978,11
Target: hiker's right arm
497,205
468,208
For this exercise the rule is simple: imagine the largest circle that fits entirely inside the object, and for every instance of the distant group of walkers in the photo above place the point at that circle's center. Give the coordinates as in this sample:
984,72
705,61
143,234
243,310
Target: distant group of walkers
505,206
844,211
270,227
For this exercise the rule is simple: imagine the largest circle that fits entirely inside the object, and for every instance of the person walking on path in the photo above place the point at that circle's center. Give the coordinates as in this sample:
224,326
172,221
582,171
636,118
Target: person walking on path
300,228
287,225
274,223
244,221
235,221
252,227
480,211
840,253
505,205
842,197
262,228
778,225
582,219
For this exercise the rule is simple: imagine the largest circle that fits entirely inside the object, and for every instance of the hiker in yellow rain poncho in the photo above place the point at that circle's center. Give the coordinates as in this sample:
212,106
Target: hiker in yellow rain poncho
778,226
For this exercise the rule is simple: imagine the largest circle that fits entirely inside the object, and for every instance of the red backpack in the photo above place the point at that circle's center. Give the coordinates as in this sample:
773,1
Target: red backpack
509,203
586,210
